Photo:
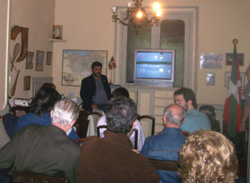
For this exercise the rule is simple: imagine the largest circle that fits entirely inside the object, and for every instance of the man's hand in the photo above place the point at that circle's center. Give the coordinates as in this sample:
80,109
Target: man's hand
93,106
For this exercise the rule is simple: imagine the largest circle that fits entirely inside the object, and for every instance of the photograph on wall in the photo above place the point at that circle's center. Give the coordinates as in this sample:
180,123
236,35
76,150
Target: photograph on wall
29,60
49,58
210,79
228,78
77,65
39,60
26,84
240,58
211,61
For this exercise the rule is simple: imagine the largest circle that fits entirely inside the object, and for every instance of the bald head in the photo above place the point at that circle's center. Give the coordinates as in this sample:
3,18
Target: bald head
174,114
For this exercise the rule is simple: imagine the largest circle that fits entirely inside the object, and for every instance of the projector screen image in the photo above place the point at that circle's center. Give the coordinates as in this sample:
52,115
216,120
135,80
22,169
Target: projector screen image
154,57
153,71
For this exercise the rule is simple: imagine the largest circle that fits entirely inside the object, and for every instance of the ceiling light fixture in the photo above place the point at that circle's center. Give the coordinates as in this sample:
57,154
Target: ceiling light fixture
137,16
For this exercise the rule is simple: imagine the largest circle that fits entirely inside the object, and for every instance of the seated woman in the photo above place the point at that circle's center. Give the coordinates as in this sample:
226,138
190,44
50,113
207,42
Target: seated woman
207,157
40,108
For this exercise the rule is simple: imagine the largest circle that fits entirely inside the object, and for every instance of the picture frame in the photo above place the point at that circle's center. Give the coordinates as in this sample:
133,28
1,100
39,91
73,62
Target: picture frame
228,77
39,60
49,58
211,61
26,83
210,78
229,58
77,65
29,60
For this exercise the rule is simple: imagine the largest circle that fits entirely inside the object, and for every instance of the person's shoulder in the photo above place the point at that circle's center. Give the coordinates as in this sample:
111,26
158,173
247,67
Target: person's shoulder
87,78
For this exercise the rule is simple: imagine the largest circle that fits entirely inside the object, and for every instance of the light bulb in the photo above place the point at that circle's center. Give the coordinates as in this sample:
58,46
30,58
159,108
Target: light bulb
156,6
158,13
139,14
113,9
129,4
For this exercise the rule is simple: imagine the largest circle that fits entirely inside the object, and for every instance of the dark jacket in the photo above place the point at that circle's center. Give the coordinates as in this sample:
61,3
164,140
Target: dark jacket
111,159
88,89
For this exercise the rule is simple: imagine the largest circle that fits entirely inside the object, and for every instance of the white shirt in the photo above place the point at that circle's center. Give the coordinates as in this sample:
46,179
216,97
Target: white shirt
138,126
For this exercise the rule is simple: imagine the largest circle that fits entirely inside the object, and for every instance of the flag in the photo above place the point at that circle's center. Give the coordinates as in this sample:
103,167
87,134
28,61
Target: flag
232,109
112,63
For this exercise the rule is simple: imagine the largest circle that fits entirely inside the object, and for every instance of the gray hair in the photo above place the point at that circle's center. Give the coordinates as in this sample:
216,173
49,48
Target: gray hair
174,114
64,112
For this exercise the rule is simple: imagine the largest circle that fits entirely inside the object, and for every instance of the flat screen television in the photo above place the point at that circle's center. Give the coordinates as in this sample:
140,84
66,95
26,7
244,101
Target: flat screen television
154,67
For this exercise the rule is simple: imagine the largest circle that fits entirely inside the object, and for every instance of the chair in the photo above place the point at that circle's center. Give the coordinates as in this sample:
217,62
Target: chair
164,164
149,117
82,122
27,177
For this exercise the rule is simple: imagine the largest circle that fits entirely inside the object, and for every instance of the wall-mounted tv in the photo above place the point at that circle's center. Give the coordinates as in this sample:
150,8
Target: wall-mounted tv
154,67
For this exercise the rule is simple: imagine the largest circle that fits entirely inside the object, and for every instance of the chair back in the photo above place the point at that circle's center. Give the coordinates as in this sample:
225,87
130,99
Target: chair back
149,119
82,123
27,177
164,164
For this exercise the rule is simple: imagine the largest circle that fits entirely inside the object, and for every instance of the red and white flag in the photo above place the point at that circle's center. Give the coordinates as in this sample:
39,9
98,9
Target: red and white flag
112,63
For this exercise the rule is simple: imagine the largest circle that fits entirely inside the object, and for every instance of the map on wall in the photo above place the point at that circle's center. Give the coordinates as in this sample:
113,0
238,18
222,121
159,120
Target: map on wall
77,65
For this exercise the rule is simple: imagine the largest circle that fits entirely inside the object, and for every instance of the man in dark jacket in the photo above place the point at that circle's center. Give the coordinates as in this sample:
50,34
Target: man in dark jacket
95,90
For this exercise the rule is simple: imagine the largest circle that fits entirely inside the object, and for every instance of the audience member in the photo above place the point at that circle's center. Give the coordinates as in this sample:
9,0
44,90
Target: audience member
95,89
4,138
40,108
166,145
195,120
102,121
207,157
50,85
45,149
112,159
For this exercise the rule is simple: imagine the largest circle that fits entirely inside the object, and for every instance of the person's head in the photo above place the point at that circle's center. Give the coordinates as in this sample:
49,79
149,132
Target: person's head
64,113
120,92
121,114
96,68
207,156
248,73
44,100
50,85
185,97
173,116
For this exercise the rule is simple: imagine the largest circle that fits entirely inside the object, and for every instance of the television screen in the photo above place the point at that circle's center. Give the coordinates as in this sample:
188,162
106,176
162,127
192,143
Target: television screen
155,66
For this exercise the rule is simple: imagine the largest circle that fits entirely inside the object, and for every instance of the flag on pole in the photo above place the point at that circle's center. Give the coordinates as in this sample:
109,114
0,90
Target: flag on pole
233,108
112,63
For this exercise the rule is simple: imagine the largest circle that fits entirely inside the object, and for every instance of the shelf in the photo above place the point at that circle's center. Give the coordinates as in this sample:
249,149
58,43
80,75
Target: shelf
56,40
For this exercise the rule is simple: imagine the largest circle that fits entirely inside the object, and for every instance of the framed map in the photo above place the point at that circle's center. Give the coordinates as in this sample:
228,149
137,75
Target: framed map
77,65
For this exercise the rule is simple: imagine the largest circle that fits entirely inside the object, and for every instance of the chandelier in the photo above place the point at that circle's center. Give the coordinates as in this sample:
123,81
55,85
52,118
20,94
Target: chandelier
137,16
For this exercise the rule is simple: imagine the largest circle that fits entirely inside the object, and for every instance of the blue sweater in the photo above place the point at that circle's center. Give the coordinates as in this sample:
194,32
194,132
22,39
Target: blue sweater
44,120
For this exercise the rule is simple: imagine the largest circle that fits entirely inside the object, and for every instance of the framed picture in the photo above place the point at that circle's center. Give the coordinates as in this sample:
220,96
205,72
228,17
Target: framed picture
211,61
39,60
49,58
26,84
77,65
210,79
29,60
229,58
228,77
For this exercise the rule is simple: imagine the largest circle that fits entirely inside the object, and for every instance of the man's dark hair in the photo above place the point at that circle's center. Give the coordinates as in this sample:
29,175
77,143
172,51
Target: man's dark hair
96,63
121,114
120,92
188,94
44,100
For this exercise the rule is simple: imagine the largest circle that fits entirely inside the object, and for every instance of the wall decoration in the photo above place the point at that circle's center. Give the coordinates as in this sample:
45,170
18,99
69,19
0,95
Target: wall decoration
57,32
229,58
210,79
29,60
26,84
211,61
77,65
39,60
49,58
228,77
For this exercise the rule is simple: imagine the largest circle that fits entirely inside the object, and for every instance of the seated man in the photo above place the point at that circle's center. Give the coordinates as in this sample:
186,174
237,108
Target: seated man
195,120
102,121
45,149
166,145
207,156
112,159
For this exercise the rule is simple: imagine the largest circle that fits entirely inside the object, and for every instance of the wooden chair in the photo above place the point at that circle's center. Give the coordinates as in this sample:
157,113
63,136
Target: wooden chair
27,177
164,164
82,123
149,117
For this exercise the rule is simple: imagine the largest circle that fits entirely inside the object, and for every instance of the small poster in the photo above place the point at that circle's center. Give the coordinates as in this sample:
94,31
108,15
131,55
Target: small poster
211,61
